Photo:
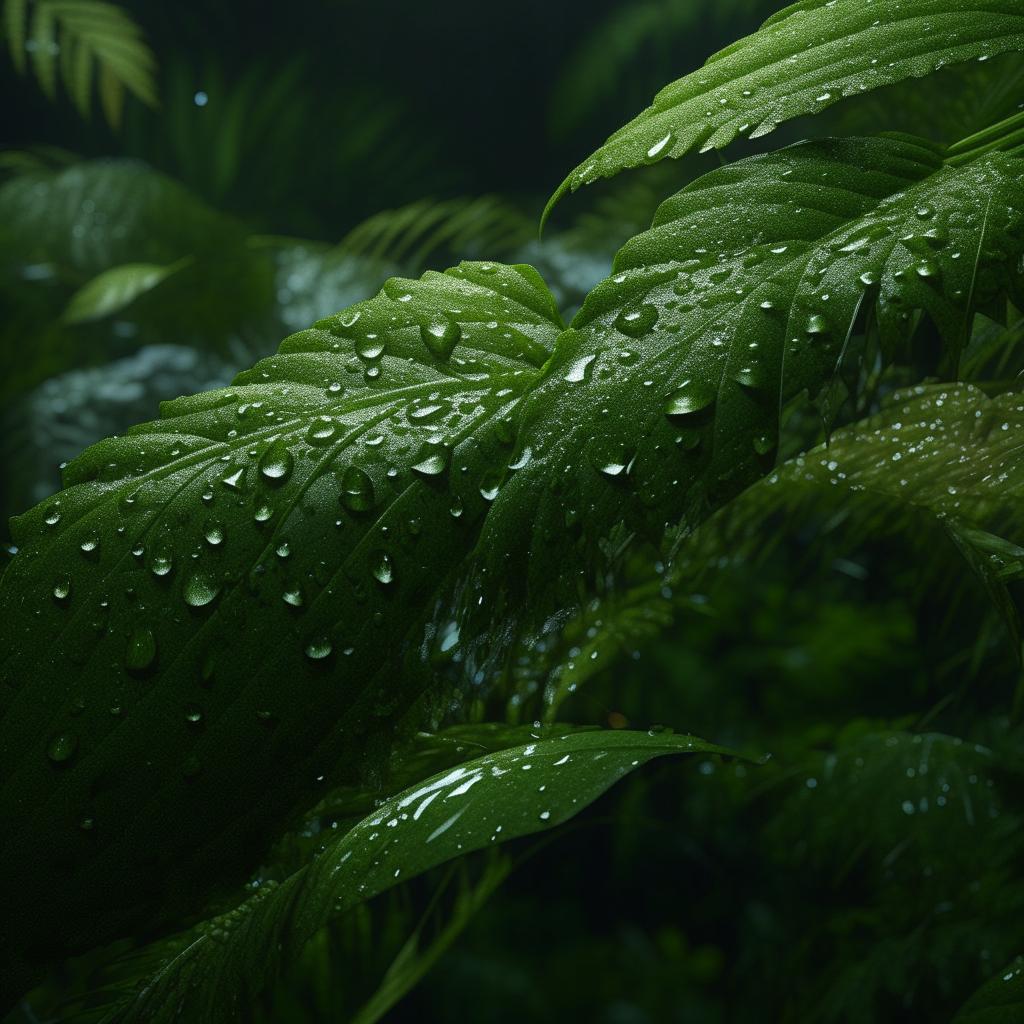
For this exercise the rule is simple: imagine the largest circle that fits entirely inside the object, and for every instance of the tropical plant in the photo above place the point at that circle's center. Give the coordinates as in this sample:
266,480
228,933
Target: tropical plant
274,654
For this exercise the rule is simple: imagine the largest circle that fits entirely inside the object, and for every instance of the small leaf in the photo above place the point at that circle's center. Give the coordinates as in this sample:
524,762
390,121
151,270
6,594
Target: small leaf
114,289
491,800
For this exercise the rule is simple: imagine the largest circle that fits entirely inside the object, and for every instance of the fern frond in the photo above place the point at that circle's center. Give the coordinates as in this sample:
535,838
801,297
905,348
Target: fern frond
94,41
426,232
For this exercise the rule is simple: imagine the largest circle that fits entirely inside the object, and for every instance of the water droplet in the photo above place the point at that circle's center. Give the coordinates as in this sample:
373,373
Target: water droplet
433,463
213,531
62,588
141,652
322,431
193,714
381,567
659,147
691,396
440,334
62,747
357,490
578,369
817,324
276,462
293,595
200,590
318,649
90,545
637,322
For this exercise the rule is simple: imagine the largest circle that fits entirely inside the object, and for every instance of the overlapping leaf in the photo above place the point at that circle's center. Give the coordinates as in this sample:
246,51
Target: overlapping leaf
478,804
802,60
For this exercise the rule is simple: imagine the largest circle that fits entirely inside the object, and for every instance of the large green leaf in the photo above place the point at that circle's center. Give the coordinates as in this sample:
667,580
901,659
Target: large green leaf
802,60
490,800
310,512
256,590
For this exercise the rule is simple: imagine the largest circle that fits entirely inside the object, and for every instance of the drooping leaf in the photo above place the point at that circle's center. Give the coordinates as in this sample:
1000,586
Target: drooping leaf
114,289
999,1001
311,511
802,60
493,799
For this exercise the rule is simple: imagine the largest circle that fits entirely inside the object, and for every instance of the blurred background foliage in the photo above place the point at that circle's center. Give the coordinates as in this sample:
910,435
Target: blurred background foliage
182,185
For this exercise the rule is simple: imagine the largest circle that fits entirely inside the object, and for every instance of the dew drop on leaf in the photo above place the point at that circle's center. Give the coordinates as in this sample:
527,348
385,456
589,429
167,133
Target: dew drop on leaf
200,590
357,490
276,462
62,747
381,567
440,334
141,652
691,396
637,322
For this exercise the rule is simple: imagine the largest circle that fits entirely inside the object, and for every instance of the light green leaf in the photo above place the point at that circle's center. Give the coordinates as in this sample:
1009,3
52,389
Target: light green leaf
114,289
801,61
493,799
999,1001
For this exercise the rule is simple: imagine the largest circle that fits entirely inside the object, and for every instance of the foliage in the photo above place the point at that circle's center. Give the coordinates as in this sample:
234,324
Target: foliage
270,660
82,41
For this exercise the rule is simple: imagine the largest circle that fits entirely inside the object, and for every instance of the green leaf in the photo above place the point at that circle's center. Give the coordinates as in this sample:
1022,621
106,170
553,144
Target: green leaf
15,19
114,289
312,512
999,1001
493,799
801,61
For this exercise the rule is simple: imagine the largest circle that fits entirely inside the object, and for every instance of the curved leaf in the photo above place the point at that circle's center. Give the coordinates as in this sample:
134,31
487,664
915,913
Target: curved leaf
493,799
999,1001
310,512
114,289
802,60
